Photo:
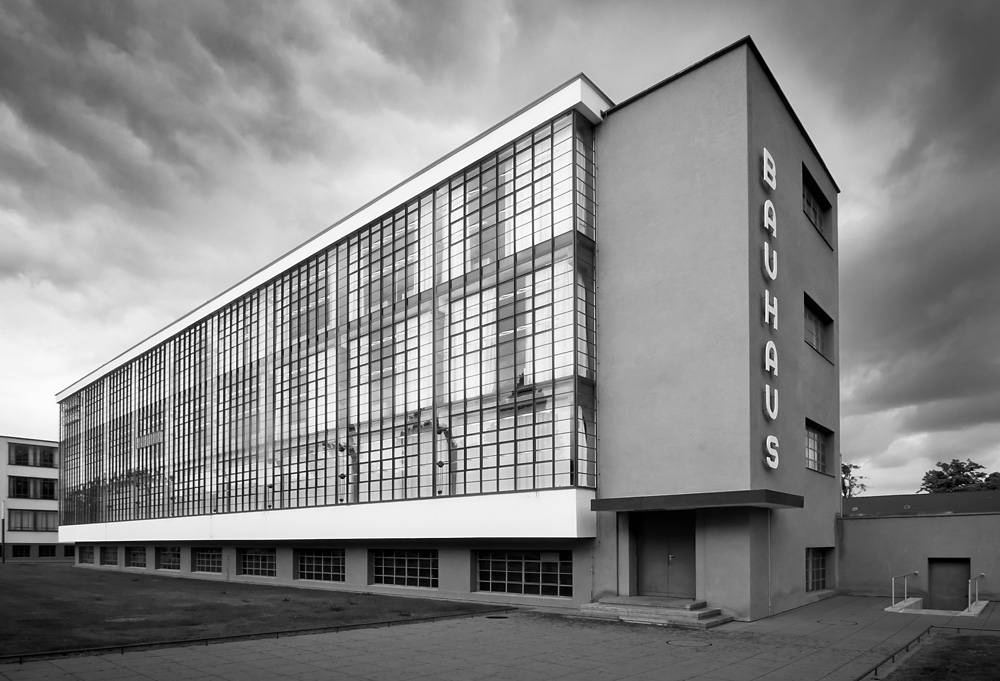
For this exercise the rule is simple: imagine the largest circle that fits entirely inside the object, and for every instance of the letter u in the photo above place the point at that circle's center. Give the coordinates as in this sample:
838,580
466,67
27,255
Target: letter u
770,405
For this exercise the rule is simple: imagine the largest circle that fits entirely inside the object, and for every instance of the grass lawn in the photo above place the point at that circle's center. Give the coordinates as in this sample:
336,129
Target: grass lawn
949,657
49,607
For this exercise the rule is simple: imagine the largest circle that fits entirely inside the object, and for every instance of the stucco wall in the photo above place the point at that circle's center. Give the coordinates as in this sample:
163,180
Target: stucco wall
807,382
672,273
874,550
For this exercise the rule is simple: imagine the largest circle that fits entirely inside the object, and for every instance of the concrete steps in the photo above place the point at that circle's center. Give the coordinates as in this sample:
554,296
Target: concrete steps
660,611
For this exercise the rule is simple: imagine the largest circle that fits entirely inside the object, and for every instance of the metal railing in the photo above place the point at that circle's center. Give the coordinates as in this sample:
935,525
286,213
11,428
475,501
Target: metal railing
903,577
976,580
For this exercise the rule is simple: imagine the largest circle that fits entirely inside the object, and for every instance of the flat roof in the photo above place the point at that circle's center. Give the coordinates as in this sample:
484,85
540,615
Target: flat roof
752,46
941,503
578,93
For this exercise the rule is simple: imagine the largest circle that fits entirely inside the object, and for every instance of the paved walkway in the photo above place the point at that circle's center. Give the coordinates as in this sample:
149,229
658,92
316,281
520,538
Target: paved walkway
837,639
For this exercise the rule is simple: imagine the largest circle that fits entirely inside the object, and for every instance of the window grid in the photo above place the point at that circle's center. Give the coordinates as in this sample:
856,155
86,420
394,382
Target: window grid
405,567
206,560
816,568
447,348
817,441
258,562
87,554
168,558
135,556
541,573
47,551
109,555
326,565
21,551
69,550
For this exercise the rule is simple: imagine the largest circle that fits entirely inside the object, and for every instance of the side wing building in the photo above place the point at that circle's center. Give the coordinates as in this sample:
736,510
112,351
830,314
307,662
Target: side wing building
591,353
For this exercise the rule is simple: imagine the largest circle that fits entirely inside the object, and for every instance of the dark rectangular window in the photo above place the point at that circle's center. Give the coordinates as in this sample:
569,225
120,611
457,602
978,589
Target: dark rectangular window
818,442
542,573
109,555
258,562
69,550
32,521
47,551
325,565
401,567
168,558
87,554
31,488
21,551
815,205
31,455
206,560
818,328
135,556
816,561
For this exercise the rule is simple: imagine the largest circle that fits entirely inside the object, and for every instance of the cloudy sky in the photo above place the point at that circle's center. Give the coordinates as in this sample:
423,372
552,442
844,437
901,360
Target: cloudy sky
153,154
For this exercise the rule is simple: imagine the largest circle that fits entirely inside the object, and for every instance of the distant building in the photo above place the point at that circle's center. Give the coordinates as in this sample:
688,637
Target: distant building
545,369
30,498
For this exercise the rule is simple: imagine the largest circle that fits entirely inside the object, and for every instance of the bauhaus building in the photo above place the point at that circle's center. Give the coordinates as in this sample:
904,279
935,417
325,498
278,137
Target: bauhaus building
592,352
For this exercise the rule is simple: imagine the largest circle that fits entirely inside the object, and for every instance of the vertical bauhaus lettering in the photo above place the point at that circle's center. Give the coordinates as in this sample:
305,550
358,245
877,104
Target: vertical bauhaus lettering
770,262
770,309
770,171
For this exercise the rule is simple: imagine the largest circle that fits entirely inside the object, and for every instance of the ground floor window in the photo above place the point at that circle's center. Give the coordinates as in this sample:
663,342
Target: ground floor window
402,567
816,568
87,554
206,560
135,556
321,564
168,558
69,550
21,551
542,573
47,551
258,562
109,555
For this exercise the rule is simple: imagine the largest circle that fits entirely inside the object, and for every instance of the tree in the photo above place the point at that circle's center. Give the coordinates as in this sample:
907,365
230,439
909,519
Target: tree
851,484
959,476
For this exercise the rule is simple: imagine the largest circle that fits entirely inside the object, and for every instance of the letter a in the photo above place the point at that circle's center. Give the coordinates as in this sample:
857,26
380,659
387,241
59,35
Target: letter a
771,358
771,452
770,310
770,218
770,170
770,407
770,263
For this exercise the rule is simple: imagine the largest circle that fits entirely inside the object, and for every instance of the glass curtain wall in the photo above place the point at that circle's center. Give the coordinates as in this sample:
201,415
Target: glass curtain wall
445,349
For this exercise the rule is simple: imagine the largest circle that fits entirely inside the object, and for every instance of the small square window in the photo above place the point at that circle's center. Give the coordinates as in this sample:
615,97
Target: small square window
818,442
816,563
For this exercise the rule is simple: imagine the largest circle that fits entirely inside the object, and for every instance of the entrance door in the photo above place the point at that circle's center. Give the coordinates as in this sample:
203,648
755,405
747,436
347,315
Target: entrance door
665,553
948,583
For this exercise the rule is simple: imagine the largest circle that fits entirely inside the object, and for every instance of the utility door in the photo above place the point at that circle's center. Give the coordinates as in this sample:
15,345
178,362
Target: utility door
948,583
665,553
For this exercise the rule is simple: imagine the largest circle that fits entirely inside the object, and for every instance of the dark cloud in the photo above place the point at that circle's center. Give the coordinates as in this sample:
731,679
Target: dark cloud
434,39
141,90
957,414
953,109
921,305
